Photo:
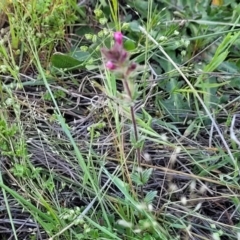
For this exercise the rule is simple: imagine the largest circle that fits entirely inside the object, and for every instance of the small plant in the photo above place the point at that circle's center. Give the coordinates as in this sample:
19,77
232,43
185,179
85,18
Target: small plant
8,145
117,60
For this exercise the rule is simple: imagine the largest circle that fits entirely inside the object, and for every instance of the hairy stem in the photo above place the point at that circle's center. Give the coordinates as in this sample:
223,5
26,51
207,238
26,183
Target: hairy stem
138,150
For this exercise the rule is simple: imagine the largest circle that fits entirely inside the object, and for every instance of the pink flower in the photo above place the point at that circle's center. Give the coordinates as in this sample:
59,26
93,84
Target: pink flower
117,54
110,65
118,37
132,67
117,58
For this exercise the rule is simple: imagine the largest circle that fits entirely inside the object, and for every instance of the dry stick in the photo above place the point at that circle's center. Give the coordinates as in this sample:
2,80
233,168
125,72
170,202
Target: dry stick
138,150
196,94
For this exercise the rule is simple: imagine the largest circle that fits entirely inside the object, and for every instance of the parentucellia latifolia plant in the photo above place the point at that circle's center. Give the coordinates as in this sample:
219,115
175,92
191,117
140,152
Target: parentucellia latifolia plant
117,60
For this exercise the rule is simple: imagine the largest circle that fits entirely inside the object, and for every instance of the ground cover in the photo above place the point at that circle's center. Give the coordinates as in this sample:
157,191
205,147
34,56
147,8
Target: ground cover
119,119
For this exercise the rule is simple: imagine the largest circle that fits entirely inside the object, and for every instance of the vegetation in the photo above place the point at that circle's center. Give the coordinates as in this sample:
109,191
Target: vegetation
119,119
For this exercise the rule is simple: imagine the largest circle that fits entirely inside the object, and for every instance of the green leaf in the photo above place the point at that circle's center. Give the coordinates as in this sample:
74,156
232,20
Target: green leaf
238,63
134,26
166,125
80,55
150,196
84,30
210,92
212,84
175,105
59,60
230,67
235,83
139,6
136,178
129,45
146,175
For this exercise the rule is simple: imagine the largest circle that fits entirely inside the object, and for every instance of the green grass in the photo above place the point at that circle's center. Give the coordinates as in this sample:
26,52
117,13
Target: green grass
72,165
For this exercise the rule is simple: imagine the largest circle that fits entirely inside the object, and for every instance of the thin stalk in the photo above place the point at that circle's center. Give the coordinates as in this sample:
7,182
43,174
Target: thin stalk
133,118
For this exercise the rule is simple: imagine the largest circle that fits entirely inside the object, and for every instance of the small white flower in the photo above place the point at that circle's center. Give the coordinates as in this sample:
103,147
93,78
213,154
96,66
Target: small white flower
176,33
150,207
71,212
154,223
183,53
146,224
139,169
162,38
103,21
9,102
137,230
216,236
87,230
186,43
124,223
178,149
177,43
84,48
198,207
105,31
164,137
147,157
173,187
141,206
125,26
183,200
174,155
3,68
192,186
94,38
203,189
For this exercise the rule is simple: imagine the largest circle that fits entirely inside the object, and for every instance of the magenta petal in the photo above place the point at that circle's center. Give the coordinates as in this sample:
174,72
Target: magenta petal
118,36
132,66
110,65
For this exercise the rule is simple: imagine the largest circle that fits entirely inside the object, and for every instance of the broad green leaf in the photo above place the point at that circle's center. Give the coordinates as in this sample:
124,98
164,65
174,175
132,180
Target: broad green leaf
146,174
80,55
134,26
136,178
150,196
59,60
235,82
175,105
139,6
129,45
84,30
